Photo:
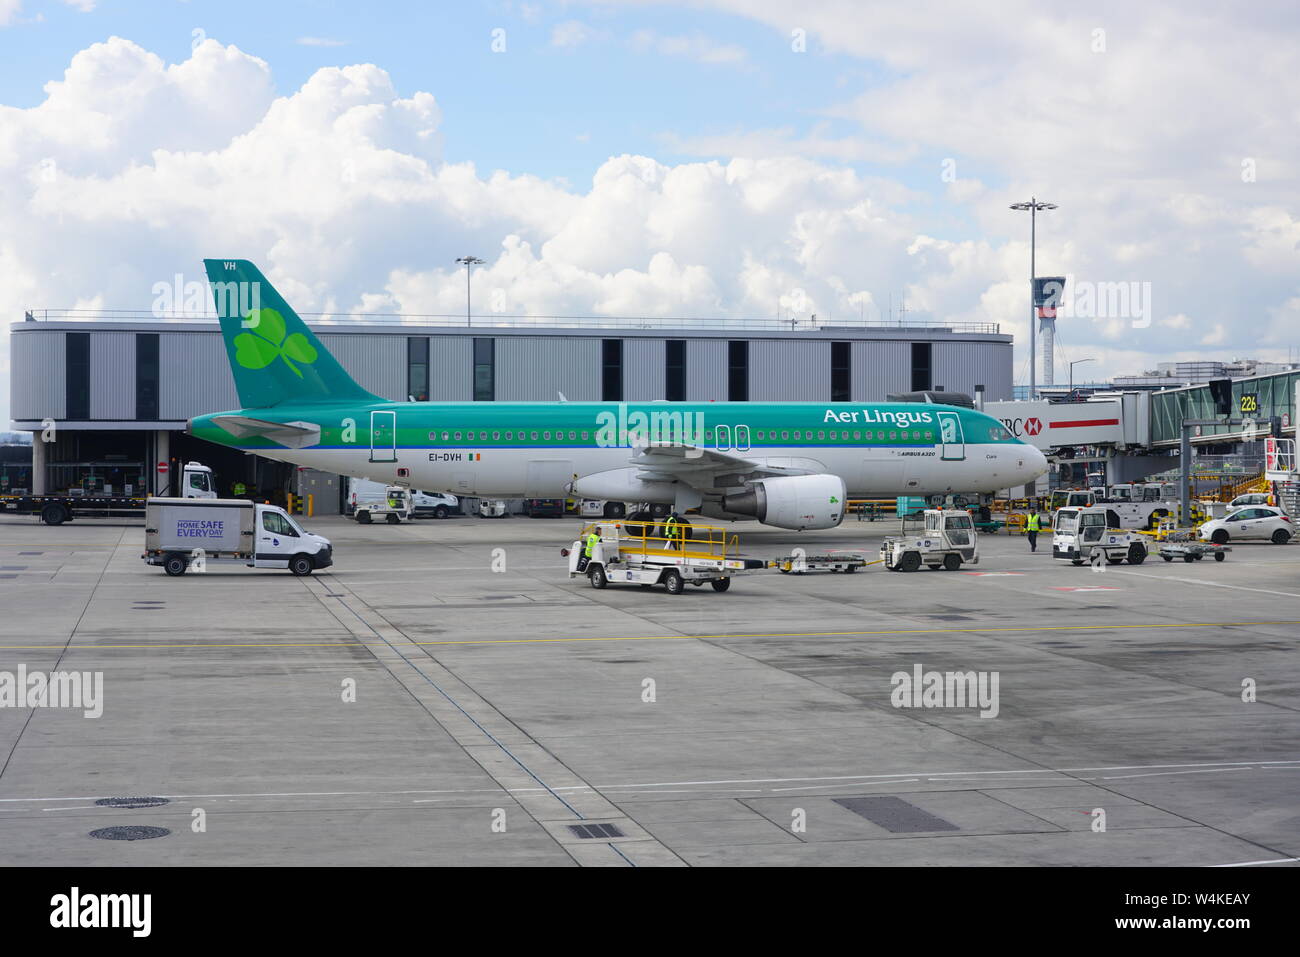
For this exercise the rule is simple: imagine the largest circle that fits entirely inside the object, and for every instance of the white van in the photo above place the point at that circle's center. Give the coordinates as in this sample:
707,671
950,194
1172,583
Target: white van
424,504
184,533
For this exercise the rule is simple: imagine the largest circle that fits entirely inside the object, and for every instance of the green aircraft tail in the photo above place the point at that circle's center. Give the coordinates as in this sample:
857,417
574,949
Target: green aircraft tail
274,356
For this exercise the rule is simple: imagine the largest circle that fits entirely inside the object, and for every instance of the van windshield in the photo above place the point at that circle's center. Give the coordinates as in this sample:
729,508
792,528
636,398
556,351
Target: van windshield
1067,522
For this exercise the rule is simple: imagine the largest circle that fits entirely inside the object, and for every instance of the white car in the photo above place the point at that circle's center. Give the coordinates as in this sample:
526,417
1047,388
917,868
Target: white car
1255,521
1250,498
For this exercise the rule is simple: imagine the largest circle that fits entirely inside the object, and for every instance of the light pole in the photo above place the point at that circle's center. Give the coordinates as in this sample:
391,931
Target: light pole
469,262
1034,205
1072,365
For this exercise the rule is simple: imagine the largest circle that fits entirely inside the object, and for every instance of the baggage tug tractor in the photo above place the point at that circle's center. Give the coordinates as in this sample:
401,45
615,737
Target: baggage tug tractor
1085,535
639,556
941,538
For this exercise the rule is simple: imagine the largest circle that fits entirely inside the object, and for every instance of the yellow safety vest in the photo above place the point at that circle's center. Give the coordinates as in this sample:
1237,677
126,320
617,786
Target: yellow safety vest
670,528
1031,525
592,541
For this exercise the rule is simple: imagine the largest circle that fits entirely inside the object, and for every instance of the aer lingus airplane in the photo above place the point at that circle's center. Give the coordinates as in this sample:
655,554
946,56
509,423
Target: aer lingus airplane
788,464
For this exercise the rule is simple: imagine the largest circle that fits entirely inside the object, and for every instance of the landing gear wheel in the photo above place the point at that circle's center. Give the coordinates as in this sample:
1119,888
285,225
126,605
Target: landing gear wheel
300,565
910,562
951,563
597,576
673,582
721,584
1220,536
615,509
1281,537
175,565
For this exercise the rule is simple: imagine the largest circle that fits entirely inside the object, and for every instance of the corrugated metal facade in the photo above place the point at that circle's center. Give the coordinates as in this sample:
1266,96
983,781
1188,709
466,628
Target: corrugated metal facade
37,383
451,372
783,371
880,369
533,368
706,370
643,369
195,375
112,375
529,366
960,366
378,363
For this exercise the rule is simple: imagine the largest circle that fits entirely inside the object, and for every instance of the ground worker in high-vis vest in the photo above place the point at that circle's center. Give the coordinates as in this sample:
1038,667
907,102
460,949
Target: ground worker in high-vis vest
589,549
673,531
1031,529
238,490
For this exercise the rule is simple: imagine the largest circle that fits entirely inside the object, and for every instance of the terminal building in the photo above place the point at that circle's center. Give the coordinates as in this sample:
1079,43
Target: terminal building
111,395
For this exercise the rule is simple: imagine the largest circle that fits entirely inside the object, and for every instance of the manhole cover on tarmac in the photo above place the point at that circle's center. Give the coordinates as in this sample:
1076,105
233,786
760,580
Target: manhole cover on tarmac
129,832
132,802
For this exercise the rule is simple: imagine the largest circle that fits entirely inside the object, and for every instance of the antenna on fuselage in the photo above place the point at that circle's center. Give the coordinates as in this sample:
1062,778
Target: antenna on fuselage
561,395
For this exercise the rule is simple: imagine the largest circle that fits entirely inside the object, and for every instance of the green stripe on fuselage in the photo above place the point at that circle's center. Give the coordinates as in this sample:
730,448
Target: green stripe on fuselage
485,425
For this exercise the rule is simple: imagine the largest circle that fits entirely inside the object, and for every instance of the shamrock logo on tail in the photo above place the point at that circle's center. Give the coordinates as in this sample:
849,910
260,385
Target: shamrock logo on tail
267,342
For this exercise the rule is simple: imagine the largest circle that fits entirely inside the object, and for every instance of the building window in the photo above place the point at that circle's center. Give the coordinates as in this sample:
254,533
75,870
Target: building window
611,367
738,371
484,370
77,346
841,371
920,366
417,368
675,370
146,376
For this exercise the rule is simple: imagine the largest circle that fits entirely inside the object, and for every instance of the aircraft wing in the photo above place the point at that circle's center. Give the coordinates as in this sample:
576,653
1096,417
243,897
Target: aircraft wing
294,435
698,466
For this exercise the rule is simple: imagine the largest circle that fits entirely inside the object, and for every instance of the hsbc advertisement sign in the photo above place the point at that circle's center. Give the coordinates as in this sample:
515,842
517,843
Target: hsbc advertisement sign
1049,425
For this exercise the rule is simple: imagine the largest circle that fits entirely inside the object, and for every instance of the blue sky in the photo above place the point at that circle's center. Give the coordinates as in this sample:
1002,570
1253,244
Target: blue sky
535,108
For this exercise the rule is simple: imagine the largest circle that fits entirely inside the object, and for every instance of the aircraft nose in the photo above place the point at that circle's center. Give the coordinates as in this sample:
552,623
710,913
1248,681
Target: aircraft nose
1035,463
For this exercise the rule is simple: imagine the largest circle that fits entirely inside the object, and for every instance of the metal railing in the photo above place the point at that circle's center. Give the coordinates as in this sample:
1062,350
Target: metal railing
500,321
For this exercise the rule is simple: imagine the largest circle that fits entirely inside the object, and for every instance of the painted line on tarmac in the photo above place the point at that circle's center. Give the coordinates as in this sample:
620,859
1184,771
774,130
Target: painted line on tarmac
1199,581
992,630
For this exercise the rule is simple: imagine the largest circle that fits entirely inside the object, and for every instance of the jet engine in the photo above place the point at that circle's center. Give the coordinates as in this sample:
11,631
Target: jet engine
792,501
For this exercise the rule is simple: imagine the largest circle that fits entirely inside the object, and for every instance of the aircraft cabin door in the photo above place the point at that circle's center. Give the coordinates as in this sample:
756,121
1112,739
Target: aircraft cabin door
383,436
952,444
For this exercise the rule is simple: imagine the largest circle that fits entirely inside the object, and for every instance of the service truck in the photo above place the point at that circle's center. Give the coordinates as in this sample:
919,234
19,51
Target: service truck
1089,534
197,481
1127,506
183,533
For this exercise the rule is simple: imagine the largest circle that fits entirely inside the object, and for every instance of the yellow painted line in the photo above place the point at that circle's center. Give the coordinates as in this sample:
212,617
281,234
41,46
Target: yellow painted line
574,638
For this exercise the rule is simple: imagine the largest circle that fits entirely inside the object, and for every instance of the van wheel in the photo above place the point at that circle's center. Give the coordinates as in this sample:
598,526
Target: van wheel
300,565
392,519
1220,536
363,518
721,584
54,515
441,512
1281,537
951,563
175,565
597,576
673,582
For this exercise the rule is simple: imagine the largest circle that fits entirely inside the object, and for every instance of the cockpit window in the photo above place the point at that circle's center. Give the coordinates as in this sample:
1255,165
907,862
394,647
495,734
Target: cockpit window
998,433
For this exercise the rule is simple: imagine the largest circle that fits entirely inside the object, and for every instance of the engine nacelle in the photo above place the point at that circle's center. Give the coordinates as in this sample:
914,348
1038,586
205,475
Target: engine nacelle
621,485
792,501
